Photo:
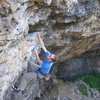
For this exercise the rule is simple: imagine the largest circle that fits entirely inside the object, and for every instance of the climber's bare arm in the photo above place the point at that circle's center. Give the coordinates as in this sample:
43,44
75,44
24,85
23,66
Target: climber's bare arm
38,58
42,43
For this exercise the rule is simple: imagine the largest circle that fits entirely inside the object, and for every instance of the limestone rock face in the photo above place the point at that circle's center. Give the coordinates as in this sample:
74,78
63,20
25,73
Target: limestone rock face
69,28
75,32
15,42
70,91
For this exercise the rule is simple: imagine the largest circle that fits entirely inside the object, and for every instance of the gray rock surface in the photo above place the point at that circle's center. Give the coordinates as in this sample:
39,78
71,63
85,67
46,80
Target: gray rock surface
69,28
69,91
82,64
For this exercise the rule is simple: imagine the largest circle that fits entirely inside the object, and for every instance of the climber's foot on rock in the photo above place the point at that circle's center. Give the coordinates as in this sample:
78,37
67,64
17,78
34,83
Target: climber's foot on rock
47,77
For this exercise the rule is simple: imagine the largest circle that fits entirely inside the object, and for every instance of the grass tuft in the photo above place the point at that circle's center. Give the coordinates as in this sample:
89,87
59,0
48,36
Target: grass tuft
83,89
93,80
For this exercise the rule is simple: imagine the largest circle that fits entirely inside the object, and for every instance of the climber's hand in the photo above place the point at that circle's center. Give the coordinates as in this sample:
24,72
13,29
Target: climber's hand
38,33
34,50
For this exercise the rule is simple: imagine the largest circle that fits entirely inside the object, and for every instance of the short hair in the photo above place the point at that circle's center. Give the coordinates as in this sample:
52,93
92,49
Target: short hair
54,59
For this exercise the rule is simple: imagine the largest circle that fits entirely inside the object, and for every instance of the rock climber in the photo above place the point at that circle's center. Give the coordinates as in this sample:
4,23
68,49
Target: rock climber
46,65
42,70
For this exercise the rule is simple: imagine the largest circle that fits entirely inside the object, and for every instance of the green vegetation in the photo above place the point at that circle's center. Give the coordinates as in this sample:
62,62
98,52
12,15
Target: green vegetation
68,82
83,89
93,80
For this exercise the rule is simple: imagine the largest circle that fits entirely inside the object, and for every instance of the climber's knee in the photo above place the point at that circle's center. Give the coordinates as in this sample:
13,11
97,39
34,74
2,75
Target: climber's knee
43,76
47,77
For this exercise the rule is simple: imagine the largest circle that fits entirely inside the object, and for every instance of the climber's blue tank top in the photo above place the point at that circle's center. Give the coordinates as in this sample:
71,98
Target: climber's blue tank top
46,65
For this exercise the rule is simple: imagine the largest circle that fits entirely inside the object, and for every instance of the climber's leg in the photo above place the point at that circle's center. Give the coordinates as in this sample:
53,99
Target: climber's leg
40,75
43,76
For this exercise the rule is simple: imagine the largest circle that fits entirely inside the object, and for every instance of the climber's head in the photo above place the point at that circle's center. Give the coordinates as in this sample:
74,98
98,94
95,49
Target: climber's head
52,58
